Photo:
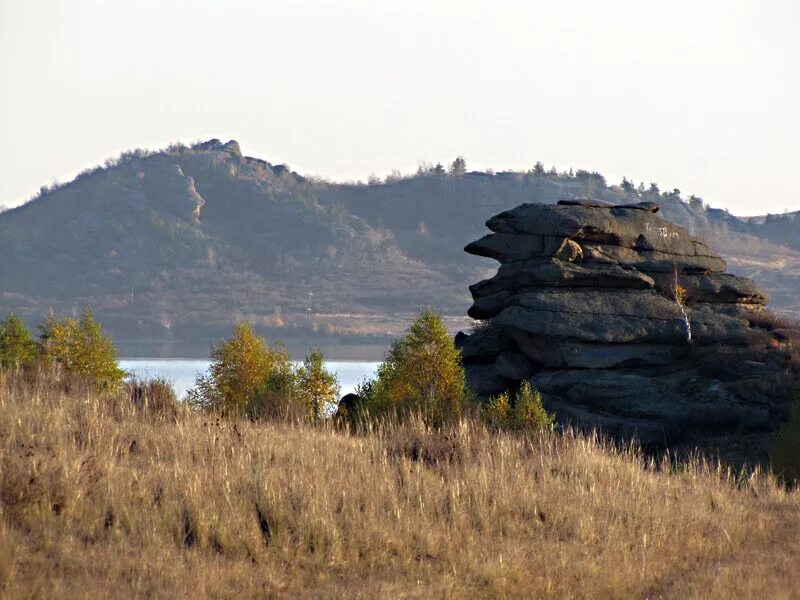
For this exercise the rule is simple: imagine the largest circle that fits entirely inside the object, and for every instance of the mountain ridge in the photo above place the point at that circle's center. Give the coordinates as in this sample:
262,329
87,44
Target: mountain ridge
172,246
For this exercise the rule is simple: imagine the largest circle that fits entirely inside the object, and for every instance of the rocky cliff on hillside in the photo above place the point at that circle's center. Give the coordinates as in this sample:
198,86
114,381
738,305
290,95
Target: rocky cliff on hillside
624,322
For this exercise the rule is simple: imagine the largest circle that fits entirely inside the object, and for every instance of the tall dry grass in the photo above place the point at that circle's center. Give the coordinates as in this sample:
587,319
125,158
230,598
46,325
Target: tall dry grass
104,498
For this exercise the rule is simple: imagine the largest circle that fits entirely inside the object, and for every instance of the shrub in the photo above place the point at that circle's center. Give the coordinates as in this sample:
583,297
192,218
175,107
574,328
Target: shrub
156,397
242,368
526,413
248,377
17,346
277,400
786,451
82,348
529,414
498,411
421,373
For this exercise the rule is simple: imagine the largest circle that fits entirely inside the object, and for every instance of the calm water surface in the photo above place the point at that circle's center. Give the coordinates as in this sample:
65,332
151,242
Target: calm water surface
182,372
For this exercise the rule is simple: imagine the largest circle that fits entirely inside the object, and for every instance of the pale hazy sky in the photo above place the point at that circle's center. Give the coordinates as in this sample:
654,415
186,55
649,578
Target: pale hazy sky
703,95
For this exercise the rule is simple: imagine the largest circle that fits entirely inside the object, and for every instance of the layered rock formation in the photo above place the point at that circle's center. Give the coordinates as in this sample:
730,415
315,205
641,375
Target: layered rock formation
607,310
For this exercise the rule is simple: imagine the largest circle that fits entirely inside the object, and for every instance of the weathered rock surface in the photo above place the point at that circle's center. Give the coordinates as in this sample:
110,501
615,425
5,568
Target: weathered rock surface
553,272
508,247
651,261
625,226
606,309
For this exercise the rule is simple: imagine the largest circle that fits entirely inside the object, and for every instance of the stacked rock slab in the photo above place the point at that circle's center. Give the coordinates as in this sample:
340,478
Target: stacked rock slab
596,304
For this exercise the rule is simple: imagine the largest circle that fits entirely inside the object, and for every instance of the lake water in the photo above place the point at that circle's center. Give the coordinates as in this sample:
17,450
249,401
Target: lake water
182,372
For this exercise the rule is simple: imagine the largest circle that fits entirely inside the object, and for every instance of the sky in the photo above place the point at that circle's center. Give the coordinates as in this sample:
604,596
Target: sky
699,95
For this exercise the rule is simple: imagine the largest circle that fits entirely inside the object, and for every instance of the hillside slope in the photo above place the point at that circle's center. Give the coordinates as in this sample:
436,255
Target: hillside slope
173,246
178,244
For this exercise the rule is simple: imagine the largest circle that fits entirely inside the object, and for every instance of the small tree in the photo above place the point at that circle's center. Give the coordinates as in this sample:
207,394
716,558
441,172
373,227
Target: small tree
529,413
17,346
242,367
458,166
394,176
317,387
679,295
425,168
82,348
696,203
422,372
628,186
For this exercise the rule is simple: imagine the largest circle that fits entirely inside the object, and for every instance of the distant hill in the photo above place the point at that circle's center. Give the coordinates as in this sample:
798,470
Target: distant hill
170,247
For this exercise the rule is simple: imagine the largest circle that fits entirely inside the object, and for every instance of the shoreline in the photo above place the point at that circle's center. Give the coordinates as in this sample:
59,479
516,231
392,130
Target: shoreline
178,359
297,351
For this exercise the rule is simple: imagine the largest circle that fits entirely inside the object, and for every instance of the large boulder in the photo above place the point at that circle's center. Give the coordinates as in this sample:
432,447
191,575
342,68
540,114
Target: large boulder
604,309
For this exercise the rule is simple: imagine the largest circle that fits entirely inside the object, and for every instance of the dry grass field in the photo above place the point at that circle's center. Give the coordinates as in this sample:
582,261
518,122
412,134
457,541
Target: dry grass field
103,499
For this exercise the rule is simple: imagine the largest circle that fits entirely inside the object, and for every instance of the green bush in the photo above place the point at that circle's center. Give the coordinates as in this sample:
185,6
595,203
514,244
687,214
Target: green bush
82,348
17,346
422,374
526,413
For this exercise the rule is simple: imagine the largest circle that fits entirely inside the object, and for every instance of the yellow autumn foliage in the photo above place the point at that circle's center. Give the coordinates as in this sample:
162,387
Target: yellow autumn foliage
82,348
242,368
525,413
421,373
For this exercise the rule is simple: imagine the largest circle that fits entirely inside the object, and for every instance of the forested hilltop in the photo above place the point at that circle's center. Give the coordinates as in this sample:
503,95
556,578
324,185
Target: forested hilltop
173,246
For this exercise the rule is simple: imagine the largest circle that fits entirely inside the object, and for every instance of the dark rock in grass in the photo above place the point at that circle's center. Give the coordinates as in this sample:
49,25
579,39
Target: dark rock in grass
460,339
